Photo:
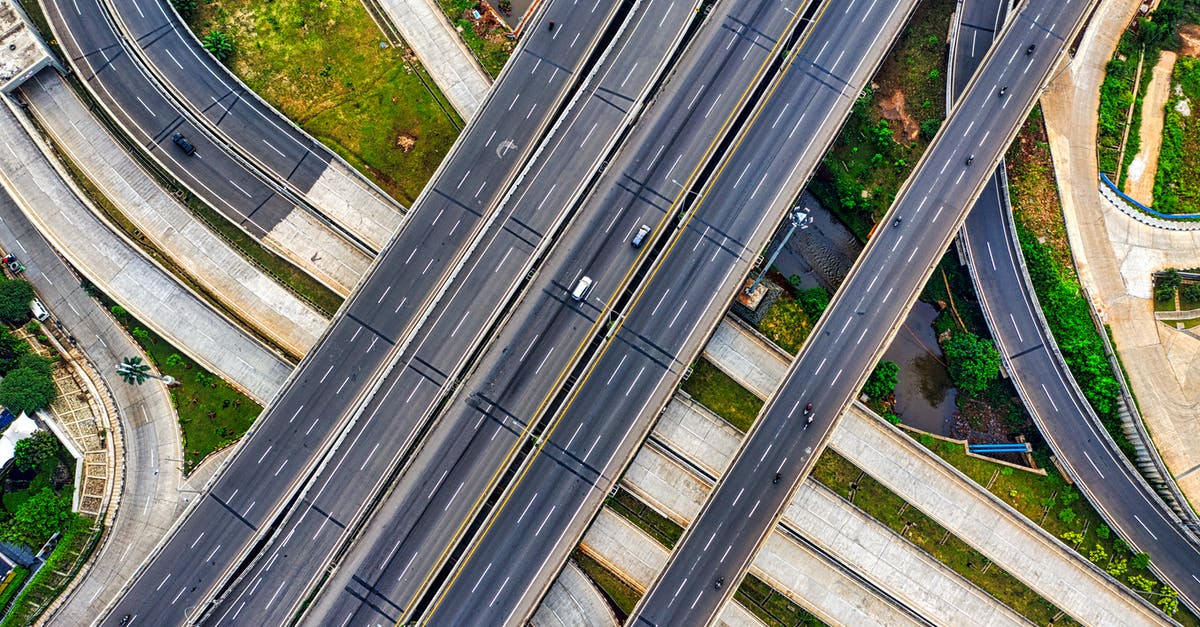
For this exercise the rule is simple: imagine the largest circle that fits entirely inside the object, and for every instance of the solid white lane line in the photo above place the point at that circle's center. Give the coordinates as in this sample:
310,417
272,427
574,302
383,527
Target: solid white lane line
1094,466
681,308
618,368
710,107
481,576
528,348
548,514
1135,517
506,578
660,302
1016,328
527,506
548,353
990,256
264,455
1051,398
456,491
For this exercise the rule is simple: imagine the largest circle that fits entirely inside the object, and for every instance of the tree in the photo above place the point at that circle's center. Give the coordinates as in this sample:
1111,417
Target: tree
1190,292
882,380
813,301
174,360
974,362
1140,561
133,371
11,349
15,297
185,7
31,452
929,128
27,390
37,519
219,44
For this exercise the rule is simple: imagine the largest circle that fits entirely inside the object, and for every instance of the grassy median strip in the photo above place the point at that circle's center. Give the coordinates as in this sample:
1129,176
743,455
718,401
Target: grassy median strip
1057,507
851,483
657,526
771,606
721,394
326,65
621,595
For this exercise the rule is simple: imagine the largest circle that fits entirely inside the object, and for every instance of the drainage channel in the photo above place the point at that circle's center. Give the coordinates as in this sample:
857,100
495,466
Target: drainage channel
604,333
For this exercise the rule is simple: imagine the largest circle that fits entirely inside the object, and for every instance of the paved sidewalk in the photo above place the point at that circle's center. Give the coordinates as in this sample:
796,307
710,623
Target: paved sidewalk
149,499
1115,255
256,298
441,50
986,524
123,273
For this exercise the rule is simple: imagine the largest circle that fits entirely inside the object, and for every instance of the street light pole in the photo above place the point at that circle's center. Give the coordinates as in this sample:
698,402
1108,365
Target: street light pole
134,372
800,220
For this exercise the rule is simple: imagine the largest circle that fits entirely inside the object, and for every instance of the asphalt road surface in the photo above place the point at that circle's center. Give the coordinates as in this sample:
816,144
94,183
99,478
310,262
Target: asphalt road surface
1062,413
444,483
347,489
862,318
297,430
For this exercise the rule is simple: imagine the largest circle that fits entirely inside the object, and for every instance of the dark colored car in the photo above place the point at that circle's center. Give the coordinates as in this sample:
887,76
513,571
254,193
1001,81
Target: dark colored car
184,145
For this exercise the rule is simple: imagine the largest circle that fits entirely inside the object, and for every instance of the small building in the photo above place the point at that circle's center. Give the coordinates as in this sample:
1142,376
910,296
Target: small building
22,427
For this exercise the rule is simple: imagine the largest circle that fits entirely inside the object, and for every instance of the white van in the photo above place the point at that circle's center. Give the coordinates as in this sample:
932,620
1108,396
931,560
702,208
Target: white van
39,310
582,288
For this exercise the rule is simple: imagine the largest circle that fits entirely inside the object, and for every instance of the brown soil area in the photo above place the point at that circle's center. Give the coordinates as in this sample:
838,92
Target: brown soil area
1141,188
1190,36
892,108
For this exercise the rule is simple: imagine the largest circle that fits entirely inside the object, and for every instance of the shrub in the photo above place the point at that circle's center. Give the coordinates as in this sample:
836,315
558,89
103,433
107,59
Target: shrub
1140,561
118,311
1117,568
813,301
1066,515
1098,554
38,519
1072,537
974,362
882,381
174,360
219,44
1190,292
1103,532
185,7
14,301
27,389
29,453
929,128
1145,584
11,350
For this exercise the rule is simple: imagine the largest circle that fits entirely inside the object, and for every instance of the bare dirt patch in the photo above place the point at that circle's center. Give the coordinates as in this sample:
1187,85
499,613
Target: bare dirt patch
1140,184
1189,35
892,108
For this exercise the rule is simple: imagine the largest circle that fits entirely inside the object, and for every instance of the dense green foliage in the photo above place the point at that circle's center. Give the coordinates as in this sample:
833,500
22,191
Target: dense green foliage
28,387
813,301
11,350
38,518
76,543
33,451
1177,181
882,380
185,7
1068,314
15,296
974,362
1117,93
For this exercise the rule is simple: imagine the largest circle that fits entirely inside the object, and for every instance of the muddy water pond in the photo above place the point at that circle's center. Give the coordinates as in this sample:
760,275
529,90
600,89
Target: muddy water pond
924,395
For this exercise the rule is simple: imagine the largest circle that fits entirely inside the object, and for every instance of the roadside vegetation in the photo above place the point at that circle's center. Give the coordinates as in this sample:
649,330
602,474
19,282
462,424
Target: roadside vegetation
212,413
890,124
1173,293
79,538
657,526
1142,43
1042,234
721,394
1177,182
622,596
487,37
1057,507
326,65
851,483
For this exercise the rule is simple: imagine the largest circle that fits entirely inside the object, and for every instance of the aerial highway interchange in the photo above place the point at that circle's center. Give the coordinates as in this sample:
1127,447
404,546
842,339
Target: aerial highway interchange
471,402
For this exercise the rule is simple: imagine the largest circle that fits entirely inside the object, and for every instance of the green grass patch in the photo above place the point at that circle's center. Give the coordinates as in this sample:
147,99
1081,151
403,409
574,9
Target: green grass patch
771,606
659,527
212,413
488,41
787,324
844,478
1177,182
12,585
622,596
721,394
321,63
77,542
1058,508
890,125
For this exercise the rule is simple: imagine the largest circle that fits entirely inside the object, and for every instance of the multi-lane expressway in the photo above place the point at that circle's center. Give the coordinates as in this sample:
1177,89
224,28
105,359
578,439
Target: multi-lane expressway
400,417
1060,410
434,503
863,316
299,427
582,452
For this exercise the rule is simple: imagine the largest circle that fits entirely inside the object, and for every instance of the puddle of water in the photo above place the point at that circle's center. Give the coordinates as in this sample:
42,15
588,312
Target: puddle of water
924,395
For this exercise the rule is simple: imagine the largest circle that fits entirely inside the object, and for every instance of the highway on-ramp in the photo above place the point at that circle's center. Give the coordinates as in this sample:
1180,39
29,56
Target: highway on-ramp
1048,389
294,434
863,317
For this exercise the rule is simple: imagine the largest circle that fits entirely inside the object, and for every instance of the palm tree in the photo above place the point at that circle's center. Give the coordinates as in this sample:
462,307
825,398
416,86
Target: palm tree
133,371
